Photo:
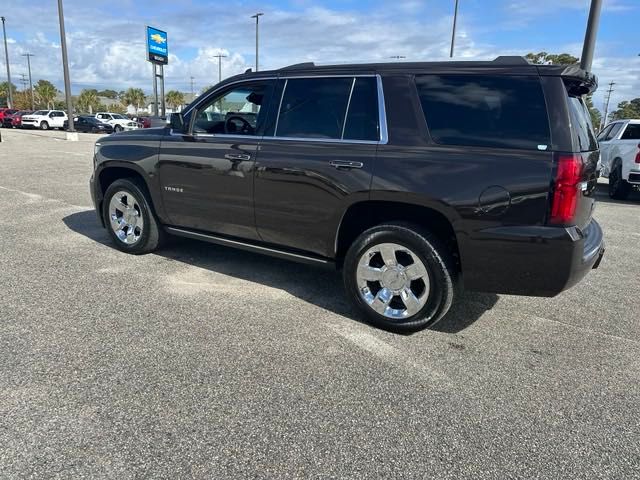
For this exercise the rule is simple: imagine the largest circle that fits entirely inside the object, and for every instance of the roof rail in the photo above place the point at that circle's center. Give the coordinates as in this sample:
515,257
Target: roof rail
299,65
511,60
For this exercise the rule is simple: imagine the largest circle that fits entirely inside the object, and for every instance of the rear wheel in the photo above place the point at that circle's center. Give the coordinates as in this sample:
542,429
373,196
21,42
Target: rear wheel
400,276
44,126
619,188
129,218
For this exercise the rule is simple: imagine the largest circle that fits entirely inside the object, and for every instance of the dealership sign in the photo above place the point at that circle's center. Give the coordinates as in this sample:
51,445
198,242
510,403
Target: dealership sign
157,49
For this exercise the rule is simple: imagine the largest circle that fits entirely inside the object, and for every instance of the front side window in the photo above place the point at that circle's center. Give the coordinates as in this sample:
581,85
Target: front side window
632,132
485,110
603,134
239,111
615,130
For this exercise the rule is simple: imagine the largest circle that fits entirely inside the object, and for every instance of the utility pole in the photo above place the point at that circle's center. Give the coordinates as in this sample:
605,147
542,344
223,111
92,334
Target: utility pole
24,81
192,88
453,32
6,56
65,68
219,57
29,55
590,35
606,105
257,17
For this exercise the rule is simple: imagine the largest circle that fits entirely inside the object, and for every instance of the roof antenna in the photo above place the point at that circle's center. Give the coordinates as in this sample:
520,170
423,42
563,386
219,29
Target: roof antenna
248,70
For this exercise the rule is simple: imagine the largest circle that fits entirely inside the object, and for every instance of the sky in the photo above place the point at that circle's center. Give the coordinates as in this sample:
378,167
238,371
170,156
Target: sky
106,39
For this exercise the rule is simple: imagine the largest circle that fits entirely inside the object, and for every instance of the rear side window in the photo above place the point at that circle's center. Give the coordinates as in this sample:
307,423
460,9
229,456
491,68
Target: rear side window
632,132
487,111
314,108
581,127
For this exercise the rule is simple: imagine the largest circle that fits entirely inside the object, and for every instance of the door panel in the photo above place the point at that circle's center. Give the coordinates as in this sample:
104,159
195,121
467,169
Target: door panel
207,183
300,196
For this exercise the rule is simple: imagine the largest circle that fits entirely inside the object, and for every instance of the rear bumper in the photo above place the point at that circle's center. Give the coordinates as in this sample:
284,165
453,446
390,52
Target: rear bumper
536,261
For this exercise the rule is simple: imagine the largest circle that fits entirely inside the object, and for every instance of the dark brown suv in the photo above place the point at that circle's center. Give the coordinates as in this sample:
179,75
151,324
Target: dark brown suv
416,179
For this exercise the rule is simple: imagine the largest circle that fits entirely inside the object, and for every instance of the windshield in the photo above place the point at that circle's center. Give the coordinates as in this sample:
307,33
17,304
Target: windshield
117,116
41,112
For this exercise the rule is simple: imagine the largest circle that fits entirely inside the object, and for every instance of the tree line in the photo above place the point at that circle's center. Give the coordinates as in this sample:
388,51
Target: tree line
89,100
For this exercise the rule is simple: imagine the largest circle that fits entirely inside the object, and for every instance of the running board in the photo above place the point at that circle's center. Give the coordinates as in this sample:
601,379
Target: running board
296,257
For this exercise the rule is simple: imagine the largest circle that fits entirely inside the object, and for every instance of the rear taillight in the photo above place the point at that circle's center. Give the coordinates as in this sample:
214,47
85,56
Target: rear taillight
638,155
565,192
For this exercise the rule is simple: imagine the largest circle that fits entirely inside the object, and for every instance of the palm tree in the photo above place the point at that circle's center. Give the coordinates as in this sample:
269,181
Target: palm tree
133,96
88,100
46,92
174,99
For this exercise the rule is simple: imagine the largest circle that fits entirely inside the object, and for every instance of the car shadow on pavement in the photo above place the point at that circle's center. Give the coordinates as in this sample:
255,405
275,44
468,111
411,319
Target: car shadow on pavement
602,195
314,285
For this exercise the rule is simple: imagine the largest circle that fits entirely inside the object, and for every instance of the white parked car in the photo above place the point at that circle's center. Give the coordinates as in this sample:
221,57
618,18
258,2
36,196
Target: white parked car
45,119
117,121
620,156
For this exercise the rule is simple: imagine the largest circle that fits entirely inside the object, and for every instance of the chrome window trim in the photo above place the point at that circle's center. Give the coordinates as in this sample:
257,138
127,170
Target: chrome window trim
322,140
382,114
346,114
284,89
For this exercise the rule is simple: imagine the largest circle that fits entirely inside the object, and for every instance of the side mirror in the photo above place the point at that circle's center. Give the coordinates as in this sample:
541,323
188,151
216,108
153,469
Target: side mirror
177,122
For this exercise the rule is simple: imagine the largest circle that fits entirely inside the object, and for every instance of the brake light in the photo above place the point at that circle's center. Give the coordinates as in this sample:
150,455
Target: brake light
565,193
638,155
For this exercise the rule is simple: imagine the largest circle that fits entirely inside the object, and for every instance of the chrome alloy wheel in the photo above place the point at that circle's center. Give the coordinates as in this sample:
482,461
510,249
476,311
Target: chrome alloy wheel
393,280
125,216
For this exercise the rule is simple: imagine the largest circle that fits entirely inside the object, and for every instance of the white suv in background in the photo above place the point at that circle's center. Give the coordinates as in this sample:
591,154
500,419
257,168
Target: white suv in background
620,155
45,119
117,121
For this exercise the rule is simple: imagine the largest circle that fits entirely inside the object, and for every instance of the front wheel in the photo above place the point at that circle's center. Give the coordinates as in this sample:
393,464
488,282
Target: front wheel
400,276
118,128
619,188
44,126
129,218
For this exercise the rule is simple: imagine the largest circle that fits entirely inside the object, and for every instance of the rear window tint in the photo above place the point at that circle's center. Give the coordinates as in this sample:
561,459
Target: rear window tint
632,132
581,127
486,110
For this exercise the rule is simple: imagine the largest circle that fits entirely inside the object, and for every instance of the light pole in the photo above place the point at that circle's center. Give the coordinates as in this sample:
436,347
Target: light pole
65,67
6,56
453,32
590,35
257,17
29,55
219,57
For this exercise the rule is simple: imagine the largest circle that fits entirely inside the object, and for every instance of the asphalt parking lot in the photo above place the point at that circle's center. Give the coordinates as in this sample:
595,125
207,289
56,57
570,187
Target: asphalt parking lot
202,361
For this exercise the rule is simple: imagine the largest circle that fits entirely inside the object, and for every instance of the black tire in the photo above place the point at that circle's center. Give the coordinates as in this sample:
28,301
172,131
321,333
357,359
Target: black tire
152,236
44,126
436,257
619,188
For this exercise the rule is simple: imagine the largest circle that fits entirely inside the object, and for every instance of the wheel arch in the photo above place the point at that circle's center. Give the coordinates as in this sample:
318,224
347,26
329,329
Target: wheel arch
363,215
112,172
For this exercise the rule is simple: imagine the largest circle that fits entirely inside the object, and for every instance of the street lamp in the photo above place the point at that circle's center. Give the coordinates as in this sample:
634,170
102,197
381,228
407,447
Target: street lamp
6,56
29,55
219,57
65,68
257,17
453,32
590,35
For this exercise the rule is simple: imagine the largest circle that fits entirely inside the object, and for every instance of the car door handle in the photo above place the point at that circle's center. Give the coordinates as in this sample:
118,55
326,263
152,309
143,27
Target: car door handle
237,156
345,164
